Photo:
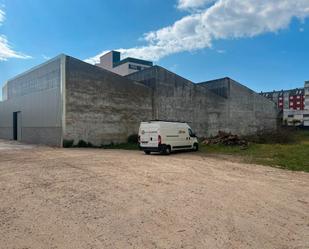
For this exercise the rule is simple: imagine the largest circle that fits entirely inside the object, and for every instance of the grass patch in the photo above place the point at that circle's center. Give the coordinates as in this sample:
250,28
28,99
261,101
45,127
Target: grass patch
292,156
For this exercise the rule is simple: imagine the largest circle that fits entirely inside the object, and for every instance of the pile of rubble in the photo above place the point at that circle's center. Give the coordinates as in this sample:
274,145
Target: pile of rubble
225,139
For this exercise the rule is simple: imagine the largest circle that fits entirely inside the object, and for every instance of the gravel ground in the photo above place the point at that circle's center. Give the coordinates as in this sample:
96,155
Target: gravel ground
91,198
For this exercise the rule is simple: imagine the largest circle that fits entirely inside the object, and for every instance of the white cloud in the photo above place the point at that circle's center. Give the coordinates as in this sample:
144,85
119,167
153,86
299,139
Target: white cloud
6,50
225,19
193,4
96,59
221,51
2,16
45,57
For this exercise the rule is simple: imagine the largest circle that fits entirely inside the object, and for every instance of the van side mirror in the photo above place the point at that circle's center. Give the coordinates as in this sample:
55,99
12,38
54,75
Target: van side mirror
193,135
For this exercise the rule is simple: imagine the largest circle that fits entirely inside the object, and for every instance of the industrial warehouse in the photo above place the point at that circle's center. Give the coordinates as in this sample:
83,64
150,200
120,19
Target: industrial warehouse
66,99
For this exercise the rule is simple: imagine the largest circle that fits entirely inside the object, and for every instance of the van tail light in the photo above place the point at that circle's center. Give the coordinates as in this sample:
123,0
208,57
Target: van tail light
139,139
159,140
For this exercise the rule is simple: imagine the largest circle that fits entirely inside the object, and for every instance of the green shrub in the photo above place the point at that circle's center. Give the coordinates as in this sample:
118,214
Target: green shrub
133,139
90,145
82,144
104,146
68,143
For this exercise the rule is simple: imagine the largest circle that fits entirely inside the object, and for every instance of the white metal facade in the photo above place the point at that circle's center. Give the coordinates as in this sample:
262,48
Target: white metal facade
37,97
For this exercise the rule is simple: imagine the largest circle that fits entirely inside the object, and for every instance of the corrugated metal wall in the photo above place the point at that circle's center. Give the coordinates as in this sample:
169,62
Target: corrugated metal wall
36,95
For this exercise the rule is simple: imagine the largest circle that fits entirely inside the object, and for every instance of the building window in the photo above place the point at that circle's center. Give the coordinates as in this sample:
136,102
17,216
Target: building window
135,67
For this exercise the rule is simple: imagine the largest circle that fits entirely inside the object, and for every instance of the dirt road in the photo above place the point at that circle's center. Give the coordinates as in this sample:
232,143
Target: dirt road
91,198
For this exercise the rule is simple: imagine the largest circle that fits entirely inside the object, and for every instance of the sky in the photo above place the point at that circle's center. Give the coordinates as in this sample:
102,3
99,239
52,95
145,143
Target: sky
262,44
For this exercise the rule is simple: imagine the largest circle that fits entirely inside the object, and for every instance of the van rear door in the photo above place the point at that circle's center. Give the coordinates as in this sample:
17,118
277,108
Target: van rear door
149,135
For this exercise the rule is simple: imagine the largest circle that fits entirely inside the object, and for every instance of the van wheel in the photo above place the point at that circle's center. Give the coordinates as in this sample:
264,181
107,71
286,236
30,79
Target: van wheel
195,147
147,152
167,150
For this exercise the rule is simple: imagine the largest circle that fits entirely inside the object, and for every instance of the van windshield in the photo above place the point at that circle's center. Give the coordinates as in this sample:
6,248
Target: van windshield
191,133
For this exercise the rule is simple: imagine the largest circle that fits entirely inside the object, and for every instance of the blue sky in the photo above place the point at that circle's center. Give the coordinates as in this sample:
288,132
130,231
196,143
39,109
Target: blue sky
262,44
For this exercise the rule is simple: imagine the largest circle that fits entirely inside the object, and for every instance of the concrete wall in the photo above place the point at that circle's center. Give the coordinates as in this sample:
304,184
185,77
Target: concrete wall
249,112
102,107
210,106
124,69
106,61
67,99
176,98
36,94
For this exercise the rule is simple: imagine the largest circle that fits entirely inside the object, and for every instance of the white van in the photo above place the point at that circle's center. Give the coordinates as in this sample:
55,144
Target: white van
165,137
